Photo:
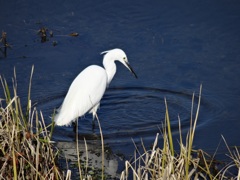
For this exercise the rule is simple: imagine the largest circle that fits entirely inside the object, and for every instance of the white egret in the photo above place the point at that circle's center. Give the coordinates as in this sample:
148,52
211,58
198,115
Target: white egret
88,87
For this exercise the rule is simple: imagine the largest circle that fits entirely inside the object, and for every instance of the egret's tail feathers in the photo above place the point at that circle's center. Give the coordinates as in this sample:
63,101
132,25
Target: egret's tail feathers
62,120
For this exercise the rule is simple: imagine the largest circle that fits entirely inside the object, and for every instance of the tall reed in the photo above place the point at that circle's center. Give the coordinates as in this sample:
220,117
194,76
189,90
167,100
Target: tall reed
26,150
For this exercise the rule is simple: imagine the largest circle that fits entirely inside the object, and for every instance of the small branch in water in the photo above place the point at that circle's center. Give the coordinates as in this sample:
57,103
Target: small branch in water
43,33
3,40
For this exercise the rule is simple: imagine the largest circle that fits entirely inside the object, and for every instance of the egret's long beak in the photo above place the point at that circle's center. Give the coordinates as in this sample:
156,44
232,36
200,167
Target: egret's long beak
131,69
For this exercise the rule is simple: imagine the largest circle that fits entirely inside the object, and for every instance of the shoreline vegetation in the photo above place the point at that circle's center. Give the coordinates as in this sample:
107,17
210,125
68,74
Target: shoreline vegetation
28,152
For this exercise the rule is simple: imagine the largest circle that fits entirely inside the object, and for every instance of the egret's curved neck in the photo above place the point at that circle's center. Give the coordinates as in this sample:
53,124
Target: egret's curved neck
110,67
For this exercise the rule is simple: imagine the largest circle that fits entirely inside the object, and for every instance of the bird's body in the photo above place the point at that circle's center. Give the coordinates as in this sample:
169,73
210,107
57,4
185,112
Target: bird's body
83,92
88,88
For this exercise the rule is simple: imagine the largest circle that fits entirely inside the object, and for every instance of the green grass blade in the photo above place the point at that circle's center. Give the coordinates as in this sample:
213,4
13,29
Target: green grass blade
169,129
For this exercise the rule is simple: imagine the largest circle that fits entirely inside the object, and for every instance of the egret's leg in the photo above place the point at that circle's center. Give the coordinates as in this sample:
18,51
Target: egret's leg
74,124
93,124
94,114
93,120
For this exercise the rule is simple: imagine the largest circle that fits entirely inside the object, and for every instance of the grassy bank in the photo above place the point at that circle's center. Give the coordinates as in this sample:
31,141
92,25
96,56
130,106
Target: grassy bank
26,150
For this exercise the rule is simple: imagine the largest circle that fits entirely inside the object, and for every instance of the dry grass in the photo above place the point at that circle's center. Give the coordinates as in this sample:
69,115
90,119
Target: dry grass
26,151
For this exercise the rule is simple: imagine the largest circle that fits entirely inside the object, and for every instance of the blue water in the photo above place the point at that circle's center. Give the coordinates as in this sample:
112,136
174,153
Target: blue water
173,46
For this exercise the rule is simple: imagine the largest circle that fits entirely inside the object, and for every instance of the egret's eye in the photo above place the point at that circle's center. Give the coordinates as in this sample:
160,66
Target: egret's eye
124,58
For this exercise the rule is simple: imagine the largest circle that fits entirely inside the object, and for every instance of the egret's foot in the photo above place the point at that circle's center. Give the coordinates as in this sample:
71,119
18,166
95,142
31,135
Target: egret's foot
74,125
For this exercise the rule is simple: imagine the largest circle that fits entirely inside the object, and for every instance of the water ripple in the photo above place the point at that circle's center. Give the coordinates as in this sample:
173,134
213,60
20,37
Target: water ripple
129,112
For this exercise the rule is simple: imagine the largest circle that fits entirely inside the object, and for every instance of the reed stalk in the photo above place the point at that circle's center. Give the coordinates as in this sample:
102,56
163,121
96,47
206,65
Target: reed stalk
26,150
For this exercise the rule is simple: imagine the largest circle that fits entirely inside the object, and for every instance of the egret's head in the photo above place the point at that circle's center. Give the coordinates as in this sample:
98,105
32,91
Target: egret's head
119,55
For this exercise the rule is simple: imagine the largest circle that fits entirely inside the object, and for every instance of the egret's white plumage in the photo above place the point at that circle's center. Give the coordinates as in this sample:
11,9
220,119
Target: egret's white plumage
88,87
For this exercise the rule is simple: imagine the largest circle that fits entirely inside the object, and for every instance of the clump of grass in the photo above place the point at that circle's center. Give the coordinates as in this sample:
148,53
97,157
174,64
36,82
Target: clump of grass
234,155
26,151
165,163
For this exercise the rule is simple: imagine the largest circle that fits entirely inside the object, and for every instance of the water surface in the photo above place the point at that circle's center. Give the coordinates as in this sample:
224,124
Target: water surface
173,46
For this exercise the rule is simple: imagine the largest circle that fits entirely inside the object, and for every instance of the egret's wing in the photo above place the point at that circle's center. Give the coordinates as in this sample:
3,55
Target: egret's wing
84,93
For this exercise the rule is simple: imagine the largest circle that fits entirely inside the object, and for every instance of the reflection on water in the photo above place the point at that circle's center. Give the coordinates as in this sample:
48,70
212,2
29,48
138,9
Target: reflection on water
90,156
